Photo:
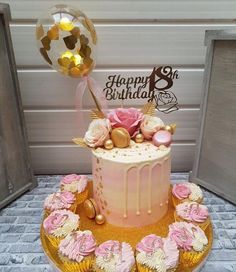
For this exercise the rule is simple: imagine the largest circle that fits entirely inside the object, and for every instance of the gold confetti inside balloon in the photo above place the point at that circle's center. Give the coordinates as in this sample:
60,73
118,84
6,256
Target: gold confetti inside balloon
67,40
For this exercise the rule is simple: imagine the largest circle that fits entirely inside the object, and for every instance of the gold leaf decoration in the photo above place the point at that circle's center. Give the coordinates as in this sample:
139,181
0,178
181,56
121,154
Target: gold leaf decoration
96,114
149,108
80,142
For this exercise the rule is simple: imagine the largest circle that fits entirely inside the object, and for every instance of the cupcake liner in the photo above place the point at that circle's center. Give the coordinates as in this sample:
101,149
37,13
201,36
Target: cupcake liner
53,240
190,258
81,197
84,266
143,268
202,225
97,269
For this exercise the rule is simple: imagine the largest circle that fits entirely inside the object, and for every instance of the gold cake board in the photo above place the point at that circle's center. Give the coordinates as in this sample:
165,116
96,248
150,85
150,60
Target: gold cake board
132,236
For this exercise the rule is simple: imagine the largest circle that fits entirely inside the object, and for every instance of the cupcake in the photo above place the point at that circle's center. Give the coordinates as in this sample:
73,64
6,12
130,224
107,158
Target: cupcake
59,201
191,241
77,184
186,191
58,224
154,253
114,256
76,251
193,212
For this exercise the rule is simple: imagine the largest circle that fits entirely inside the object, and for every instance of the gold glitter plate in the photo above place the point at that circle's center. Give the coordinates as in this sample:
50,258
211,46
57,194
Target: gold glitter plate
130,235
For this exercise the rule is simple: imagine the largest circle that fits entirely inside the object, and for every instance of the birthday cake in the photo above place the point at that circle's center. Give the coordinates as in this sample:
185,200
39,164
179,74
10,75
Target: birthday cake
131,164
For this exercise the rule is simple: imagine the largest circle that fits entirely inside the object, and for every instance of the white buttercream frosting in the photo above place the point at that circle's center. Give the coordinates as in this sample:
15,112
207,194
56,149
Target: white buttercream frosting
196,192
136,152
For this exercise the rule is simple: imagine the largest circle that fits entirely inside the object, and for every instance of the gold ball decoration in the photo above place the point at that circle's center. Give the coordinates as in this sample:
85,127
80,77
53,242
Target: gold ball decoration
120,137
171,128
66,39
90,207
108,144
139,138
100,219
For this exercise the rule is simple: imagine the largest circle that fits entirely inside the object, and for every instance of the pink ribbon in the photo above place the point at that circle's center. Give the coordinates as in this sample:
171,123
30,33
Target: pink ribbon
96,88
89,82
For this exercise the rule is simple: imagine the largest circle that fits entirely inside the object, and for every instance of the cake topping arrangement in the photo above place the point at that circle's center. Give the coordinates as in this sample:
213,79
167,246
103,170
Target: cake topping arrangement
61,222
121,125
114,256
77,245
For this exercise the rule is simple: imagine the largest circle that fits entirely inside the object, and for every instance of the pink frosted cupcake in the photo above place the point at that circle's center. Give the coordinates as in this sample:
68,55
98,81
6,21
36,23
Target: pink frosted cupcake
186,191
76,251
58,224
191,241
77,184
114,256
193,212
59,201
154,253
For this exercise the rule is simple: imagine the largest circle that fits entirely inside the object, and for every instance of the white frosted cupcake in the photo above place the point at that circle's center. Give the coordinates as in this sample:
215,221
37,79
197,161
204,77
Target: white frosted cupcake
76,251
186,191
193,212
190,240
60,201
114,256
154,254
58,224
77,184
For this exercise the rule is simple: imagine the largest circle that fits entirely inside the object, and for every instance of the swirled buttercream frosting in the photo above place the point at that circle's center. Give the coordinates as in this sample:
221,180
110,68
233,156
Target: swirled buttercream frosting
60,223
157,253
78,245
59,200
192,212
187,190
114,256
187,236
74,183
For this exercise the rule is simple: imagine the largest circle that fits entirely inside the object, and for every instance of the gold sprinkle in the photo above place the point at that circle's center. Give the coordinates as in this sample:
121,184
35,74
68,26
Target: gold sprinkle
108,212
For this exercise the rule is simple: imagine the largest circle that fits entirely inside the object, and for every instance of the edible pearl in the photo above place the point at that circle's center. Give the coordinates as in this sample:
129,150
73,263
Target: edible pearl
100,219
139,138
162,137
108,144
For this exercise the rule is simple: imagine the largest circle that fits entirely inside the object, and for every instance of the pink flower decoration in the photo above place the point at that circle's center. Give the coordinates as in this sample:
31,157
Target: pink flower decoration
181,190
192,212
97,133
126,118
150,243
108,248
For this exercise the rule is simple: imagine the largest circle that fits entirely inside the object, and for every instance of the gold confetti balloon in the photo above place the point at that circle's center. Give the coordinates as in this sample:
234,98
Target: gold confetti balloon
67,39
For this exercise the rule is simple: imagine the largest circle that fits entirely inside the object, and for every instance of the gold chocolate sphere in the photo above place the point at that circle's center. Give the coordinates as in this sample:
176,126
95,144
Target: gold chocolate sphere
90,207
100,219
139,138
171,128
120,137
108,144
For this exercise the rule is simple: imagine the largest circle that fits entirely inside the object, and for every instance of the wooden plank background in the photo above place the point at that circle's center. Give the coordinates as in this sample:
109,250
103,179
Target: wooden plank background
132,39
